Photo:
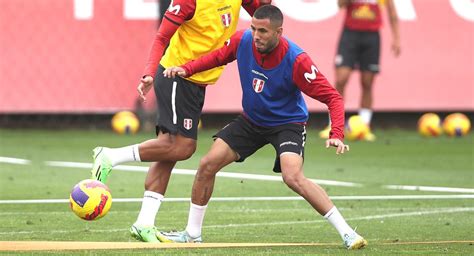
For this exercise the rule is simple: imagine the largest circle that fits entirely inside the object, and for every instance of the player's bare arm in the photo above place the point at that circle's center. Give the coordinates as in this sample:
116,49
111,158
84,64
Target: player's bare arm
393,20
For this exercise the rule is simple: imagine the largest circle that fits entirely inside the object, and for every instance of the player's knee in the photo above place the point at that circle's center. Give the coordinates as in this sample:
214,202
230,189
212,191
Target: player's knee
189,151
367,87
288,179
184,150
207,167
185,153
295,182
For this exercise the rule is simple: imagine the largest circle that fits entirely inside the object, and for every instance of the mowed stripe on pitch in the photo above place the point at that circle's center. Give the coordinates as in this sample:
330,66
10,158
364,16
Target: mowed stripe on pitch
243,225
262,198
54,246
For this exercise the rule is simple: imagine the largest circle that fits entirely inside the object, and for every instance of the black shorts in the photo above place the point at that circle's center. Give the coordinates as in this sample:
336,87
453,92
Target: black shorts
359,49
180,105
246,138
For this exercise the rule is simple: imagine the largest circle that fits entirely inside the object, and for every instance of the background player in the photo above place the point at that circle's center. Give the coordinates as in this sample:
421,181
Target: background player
359,47
273,73
192,28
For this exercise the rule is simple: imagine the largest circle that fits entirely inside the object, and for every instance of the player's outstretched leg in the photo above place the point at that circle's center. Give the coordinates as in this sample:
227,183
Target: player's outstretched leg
316,196
102,165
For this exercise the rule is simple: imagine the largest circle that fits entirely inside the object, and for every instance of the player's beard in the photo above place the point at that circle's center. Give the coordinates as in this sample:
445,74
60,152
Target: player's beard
271,44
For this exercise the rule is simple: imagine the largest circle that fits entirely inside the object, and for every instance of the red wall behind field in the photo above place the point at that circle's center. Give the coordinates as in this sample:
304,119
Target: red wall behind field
53,61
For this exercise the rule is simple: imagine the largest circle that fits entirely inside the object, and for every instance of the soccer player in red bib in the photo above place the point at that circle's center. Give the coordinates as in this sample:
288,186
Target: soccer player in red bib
192,28
359,48
274,72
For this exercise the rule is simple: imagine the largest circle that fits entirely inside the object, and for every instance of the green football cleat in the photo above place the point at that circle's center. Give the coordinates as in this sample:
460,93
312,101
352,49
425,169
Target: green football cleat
179,237
354,241
144,234
102,166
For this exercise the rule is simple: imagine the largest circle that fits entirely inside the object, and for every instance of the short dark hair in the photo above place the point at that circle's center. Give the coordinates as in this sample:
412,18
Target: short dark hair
270,12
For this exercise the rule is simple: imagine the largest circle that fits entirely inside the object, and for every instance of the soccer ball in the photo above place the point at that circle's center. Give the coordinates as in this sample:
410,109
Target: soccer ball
90,199
125,122
456,125
429,125
356,128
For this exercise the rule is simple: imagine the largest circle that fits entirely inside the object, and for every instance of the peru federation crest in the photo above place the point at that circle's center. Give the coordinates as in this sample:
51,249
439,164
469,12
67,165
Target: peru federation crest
258,85
226,18
188,123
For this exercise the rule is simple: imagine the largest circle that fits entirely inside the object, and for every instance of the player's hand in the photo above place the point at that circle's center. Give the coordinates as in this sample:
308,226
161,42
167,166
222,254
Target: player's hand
337,143
173,71
144,86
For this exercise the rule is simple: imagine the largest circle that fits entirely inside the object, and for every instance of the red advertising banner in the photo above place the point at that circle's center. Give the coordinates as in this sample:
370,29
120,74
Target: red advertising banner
82,56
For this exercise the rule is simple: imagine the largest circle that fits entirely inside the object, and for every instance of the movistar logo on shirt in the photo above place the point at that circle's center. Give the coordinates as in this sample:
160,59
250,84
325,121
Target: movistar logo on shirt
260,74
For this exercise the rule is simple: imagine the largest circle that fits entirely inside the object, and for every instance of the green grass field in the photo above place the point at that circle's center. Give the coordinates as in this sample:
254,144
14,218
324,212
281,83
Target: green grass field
392,226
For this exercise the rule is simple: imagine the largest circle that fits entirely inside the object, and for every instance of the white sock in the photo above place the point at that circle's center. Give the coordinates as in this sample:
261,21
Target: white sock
195,219
122,155
337,221
366,115
150,206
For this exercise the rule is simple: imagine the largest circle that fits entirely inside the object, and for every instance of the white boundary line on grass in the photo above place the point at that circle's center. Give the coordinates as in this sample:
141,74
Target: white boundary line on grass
11,160
235,199
427,188
265,177
242,176
193,172
370,217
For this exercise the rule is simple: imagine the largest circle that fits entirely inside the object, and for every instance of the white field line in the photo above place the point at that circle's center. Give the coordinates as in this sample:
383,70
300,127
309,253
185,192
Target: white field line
232,210
193,172
11,160
243,176
236,199
427,188
370,217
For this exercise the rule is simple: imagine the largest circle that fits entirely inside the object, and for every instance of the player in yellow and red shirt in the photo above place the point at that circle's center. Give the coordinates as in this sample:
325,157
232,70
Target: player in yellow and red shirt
192,28
359,48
